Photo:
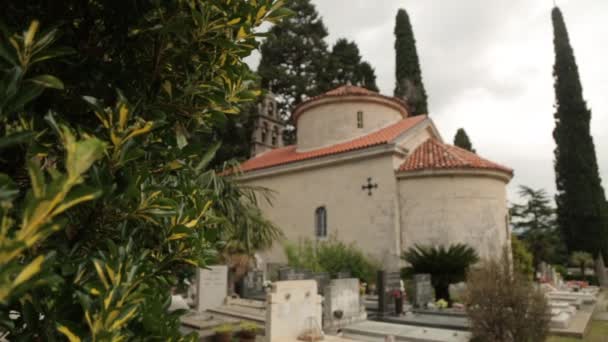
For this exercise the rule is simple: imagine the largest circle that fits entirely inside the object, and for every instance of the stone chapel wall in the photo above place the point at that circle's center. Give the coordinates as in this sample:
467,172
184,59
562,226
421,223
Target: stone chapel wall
352,215
455,209
331,123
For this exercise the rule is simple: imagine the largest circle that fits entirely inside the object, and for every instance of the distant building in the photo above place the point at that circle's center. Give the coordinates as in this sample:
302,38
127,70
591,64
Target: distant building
367,172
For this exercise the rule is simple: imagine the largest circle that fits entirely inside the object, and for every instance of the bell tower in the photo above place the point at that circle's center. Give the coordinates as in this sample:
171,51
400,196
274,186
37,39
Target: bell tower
268,128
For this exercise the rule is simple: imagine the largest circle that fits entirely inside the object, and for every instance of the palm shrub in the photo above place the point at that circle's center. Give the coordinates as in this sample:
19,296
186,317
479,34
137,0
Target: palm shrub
581,260
445,265
503,305
105,191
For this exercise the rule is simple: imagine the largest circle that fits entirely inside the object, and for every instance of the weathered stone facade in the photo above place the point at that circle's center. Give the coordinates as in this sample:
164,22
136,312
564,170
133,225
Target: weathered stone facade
462,200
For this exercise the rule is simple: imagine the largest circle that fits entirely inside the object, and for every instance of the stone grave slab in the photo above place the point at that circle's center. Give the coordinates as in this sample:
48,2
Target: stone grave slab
423,290
387,282
212,287
252,285
294,308
342,304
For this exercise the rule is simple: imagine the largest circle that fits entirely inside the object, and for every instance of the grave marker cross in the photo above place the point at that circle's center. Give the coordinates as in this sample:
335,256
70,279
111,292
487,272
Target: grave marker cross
369,186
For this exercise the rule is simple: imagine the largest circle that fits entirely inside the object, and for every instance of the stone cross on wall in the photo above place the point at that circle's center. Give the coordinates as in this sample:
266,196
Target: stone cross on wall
369,186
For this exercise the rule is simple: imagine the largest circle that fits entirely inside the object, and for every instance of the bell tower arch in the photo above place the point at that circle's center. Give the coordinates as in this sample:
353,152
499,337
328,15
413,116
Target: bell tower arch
268,128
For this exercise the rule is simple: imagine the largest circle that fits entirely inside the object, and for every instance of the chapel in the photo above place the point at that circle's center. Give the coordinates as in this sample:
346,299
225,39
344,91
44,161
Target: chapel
365,171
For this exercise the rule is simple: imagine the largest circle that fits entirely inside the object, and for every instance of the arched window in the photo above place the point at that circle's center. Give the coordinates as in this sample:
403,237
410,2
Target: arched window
359,119
321,222
264,132
275,135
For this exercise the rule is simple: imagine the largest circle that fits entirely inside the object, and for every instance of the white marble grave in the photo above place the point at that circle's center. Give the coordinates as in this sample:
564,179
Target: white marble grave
212,287
342,304
293,308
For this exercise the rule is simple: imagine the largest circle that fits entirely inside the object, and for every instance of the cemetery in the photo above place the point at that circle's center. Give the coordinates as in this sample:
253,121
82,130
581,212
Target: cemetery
299,305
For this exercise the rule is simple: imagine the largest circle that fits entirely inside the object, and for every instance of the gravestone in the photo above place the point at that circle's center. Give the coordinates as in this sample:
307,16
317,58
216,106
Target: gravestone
387,283
343,275
342,304
272,270
293,309
423,290
212,287
322,279
601,272
252,286
286,273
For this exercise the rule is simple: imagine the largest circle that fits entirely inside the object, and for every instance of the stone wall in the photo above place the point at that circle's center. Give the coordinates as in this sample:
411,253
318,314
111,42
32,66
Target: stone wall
335,122
352,215
455,208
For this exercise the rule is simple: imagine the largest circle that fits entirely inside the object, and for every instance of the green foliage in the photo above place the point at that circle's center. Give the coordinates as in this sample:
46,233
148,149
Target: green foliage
461,139
107,197
581,201
581,260
408,76
534,223
331,256
445,265
505,306
296,63
344,66
224,328
522,258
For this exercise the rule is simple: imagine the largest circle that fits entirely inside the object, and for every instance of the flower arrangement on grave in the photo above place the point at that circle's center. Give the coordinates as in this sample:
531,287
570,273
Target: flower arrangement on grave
223,332
396,294
362,288
247,331
441,304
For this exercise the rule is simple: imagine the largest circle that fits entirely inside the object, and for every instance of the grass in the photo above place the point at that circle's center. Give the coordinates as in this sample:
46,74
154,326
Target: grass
597,333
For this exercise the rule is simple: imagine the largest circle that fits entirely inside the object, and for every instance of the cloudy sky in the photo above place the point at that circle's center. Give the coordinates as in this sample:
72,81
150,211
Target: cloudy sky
487,67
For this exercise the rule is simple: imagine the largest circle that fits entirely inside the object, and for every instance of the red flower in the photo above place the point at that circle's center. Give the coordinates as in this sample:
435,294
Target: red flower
396,294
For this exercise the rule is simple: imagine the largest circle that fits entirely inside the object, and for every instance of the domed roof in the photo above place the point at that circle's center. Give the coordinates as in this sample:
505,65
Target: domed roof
347,91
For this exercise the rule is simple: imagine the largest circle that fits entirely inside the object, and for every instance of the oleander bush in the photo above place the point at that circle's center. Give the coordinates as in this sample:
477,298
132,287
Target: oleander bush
107,117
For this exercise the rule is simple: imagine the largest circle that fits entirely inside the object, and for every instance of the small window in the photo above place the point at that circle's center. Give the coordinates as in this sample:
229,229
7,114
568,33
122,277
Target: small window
359,119
321,222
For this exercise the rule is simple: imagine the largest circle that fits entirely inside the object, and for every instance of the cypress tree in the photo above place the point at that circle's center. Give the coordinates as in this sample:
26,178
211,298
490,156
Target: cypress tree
461,139
580,198
408,77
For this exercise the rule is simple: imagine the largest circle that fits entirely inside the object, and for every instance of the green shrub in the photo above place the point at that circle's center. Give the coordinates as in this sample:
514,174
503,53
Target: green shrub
331,256
522,258
505,306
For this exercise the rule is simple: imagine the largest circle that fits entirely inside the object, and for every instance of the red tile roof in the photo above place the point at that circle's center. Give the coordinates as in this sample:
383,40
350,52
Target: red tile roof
432,155
289,154
350,90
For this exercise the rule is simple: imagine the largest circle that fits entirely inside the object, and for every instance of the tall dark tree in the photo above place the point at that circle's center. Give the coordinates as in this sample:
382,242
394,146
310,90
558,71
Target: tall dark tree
294,56
581,202
534,223
461,139
344,66
408,76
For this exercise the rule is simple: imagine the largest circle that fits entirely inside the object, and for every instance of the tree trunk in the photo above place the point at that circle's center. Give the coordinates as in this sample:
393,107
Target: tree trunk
442,292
